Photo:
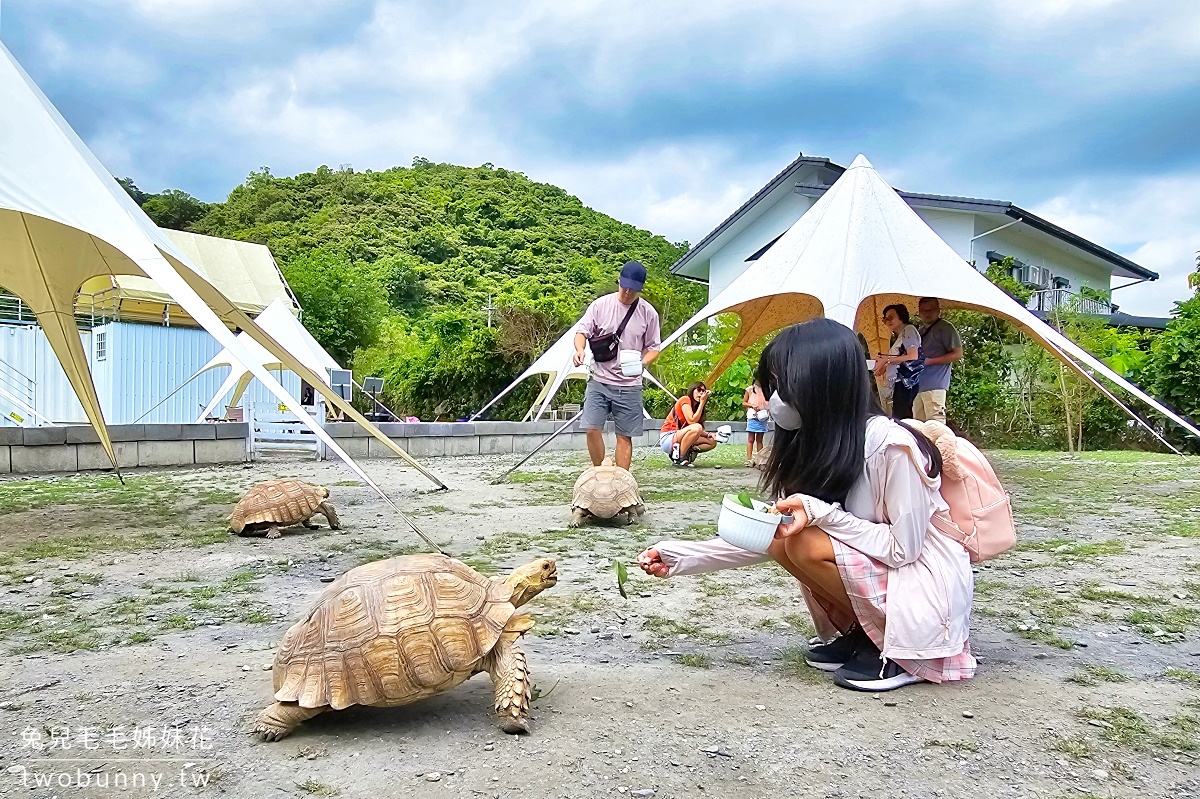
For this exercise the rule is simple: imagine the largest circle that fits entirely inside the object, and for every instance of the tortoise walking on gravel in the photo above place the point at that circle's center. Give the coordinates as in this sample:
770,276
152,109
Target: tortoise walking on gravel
270,507
606,492
396,631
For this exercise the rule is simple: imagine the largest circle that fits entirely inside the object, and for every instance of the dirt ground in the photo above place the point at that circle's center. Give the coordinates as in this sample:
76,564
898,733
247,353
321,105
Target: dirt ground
136,633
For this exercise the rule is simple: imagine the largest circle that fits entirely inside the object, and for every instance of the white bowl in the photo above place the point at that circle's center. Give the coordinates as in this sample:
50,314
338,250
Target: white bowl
748,529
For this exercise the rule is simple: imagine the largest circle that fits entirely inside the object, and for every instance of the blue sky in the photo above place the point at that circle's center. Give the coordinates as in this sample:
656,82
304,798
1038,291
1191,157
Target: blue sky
664,114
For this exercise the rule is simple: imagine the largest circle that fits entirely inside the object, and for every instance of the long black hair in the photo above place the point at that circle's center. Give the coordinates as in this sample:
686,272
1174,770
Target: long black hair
691,395
818,369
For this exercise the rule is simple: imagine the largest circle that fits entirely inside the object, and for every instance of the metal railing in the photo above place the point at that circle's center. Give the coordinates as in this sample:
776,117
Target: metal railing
1050,300
91,310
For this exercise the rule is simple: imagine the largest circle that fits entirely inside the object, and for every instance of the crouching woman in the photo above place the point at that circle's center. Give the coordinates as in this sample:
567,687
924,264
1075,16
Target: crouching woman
889,594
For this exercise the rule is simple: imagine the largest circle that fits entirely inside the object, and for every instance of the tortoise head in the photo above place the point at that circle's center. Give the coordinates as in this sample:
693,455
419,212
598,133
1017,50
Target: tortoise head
532,579
323,491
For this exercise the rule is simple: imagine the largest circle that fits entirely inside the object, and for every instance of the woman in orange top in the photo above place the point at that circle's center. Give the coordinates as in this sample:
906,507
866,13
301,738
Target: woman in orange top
682,435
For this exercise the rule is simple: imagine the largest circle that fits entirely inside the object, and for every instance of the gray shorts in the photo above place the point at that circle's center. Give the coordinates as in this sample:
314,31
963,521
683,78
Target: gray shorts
622,403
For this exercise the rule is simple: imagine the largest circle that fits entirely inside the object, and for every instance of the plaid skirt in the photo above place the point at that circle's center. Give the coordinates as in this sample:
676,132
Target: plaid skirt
866,582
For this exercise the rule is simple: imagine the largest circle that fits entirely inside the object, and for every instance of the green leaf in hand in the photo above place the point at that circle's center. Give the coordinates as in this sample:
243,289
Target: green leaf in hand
622,577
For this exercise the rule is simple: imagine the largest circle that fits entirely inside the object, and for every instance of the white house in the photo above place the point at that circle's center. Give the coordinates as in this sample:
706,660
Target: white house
1051,260
140,344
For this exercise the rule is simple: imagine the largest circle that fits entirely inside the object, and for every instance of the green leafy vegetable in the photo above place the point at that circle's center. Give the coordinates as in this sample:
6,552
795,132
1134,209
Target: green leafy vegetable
744,499
622,577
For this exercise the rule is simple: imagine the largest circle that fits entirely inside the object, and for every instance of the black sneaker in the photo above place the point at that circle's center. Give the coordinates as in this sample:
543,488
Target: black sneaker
833,655
867,671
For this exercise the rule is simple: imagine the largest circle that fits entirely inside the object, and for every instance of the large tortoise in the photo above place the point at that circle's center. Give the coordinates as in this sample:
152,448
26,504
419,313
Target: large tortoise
396,631
606,492
272,506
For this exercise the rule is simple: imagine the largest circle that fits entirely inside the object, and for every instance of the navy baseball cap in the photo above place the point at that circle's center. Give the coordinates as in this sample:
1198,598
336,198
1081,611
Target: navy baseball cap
633,276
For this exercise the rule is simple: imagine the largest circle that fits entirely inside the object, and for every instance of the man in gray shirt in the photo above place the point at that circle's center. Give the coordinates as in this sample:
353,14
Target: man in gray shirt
942,347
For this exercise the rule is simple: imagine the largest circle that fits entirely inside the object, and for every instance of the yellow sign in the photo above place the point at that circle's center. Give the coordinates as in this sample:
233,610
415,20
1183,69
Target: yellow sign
283,408
14,415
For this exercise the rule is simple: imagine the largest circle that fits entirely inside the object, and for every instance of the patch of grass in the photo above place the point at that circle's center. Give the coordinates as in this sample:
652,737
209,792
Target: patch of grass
1172,619
1183,675
436,509
1126,727
696,660
347,483
1042,635
767,600
1067,549
255,616
793,665
1076,746
317,788
139,637
674,629
178,621
713,587
555,611
801,622
1092,675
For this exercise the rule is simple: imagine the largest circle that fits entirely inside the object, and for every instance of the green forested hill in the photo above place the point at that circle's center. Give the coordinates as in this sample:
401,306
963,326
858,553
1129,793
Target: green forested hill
393,269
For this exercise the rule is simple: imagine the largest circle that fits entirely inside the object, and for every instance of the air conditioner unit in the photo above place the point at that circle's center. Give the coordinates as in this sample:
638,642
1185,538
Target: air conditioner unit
1034,276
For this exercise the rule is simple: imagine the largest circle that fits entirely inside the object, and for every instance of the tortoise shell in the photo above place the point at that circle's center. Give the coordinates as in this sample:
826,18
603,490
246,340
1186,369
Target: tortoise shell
283,503
392,632
604,491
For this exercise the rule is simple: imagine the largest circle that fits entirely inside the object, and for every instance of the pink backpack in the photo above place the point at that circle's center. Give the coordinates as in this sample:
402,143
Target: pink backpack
980,516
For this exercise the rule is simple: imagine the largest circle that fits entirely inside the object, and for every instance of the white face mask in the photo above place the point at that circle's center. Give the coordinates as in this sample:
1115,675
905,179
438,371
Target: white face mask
785,416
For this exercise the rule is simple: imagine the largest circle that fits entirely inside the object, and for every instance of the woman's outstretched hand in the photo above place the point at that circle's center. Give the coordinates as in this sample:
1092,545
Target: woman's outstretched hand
794,507
652,563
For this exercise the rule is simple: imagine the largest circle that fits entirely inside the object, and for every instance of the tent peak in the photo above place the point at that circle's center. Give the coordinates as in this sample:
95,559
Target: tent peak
860,161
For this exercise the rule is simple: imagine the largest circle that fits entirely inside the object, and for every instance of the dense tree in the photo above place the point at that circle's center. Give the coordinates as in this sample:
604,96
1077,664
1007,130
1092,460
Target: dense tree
440,241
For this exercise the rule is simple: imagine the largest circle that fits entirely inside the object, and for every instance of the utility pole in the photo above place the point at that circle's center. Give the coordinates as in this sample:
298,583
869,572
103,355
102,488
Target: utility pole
489,308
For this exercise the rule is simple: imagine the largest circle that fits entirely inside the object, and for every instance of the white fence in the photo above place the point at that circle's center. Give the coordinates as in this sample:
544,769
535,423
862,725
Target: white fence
274,430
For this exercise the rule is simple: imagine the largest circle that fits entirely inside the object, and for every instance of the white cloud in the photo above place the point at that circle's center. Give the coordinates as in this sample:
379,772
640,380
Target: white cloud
1154,222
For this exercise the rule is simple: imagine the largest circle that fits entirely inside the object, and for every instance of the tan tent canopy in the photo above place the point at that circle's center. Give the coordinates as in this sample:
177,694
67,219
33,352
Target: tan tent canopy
64,221
861,248
242,271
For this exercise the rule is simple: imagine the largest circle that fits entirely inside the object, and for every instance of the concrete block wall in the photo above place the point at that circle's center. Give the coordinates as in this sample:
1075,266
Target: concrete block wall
437,439
36,450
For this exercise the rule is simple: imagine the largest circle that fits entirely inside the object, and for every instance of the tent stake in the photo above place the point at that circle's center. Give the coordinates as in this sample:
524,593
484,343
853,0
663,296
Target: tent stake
536,449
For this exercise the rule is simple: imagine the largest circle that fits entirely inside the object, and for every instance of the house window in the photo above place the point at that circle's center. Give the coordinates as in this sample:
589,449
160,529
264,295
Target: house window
101,346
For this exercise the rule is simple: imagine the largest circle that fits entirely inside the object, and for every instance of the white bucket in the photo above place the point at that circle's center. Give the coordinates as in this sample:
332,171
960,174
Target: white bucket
748,529
631,362
763,415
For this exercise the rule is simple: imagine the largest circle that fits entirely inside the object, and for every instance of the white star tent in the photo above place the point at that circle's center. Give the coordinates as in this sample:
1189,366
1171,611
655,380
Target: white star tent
558,365
277,321
64,220
857,250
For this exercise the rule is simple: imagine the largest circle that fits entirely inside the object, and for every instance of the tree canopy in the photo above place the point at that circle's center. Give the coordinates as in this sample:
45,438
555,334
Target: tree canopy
394,269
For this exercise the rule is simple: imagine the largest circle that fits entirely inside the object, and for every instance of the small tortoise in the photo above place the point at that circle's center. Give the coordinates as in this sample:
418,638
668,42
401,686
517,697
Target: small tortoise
396,631
606,492
270,507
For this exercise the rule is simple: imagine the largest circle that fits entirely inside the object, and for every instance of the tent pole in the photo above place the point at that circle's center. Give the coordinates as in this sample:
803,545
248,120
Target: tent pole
536,449
178,388
1104,390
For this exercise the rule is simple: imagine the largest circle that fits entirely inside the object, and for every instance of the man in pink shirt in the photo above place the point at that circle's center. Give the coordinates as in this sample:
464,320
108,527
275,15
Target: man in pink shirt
615,387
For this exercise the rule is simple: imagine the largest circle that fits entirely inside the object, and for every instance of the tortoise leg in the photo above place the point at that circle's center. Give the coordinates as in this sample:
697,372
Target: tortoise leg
577,517
309,524
330,514
280,718
510,678
274,531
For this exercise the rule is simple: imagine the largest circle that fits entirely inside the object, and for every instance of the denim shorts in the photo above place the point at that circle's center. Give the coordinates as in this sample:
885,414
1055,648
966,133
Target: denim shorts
622,403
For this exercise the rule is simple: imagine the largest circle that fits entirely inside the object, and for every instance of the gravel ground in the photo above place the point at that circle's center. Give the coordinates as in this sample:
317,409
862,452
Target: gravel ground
136,635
